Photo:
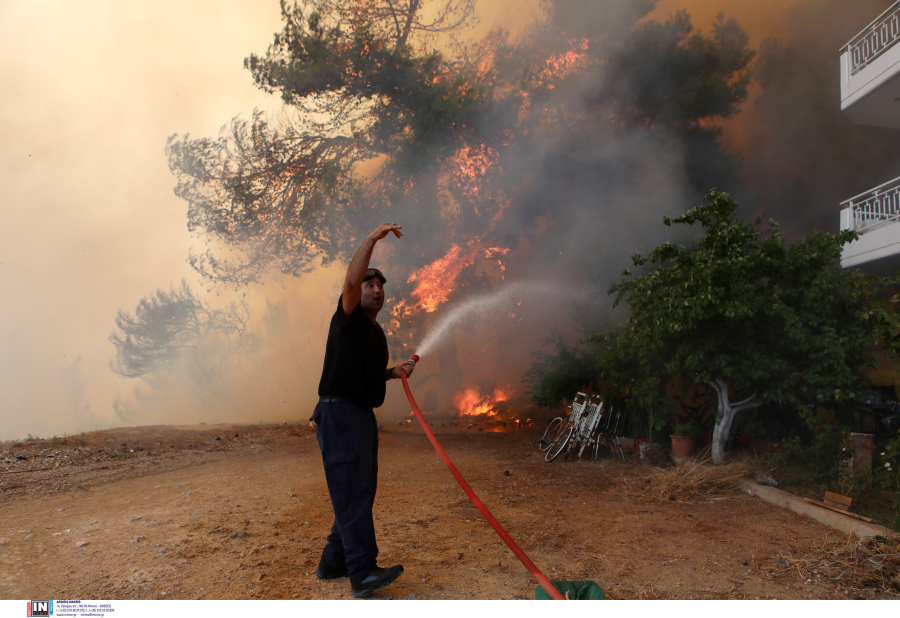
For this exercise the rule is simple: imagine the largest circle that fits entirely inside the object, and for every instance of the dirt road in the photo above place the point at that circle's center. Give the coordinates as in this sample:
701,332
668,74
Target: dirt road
218,512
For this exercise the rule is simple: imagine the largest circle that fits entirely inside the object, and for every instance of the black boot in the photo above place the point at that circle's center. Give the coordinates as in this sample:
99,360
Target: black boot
326,571
377,579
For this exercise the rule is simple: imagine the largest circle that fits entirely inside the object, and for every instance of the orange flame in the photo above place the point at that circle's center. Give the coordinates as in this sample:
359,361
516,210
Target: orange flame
558,66
436,281
471,164
470,402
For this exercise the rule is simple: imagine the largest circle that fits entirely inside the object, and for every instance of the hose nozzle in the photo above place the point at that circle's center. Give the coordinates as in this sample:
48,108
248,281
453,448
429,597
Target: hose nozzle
412,361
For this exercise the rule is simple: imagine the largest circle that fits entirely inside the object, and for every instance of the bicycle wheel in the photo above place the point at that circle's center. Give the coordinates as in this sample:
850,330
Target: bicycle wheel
553,430
559,444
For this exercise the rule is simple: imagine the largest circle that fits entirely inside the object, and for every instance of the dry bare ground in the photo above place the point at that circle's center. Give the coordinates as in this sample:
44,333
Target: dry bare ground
224,512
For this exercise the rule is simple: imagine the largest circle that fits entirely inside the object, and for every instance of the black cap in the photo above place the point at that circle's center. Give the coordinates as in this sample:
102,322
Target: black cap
371,273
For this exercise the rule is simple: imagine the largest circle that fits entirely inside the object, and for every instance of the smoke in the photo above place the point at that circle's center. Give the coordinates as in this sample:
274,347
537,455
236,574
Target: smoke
486,306
596,193
584,193
803,156
269,372
90,225
88,222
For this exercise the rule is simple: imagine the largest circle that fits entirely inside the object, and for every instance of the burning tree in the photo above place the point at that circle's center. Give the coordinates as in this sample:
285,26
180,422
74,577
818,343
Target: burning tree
755,320
382,124
492,151
364,87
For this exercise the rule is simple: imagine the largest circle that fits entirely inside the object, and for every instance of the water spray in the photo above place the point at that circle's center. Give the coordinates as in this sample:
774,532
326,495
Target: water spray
478,306
535,572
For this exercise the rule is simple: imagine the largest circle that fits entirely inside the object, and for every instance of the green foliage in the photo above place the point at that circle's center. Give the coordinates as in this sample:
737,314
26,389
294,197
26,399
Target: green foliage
691,76
754,427
886,468
827,455
361,54
606,365
685,428
554,378
624,372
783,321
882,312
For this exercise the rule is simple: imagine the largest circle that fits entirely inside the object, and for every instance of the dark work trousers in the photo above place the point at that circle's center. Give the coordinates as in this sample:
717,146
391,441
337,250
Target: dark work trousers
348,438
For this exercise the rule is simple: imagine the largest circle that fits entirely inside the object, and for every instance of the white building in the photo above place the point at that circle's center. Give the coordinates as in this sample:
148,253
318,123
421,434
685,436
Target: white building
870,95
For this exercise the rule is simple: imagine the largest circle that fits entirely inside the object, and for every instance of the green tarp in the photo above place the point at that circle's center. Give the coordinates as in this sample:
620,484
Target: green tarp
578,591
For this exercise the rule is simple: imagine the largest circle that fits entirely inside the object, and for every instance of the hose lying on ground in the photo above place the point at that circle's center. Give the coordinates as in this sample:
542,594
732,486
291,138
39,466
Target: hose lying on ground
540,577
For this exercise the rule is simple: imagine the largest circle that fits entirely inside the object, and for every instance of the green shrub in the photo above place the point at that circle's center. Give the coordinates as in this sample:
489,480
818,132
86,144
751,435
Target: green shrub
886,468
826,456
686,428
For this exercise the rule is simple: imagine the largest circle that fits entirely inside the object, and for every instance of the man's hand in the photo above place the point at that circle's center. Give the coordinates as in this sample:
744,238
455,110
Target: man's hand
352,291
383,230
407,367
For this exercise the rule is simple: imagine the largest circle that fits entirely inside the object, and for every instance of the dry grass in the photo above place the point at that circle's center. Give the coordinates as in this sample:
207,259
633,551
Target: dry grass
852,564
694,481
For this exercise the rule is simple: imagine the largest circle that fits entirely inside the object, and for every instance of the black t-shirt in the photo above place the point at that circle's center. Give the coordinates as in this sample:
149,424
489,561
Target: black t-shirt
356,358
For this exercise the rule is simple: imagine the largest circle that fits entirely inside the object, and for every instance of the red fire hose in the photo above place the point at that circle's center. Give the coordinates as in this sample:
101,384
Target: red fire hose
540,577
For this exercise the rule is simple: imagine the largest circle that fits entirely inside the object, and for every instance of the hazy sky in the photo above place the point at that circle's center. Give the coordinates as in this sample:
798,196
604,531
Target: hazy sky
89,92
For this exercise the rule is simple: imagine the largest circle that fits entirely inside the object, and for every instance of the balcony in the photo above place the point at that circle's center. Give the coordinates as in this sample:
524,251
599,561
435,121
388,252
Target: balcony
875,214
870,73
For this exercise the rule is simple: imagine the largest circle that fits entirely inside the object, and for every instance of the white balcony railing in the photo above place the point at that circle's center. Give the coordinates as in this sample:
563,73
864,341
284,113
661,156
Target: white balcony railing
874,208
874,40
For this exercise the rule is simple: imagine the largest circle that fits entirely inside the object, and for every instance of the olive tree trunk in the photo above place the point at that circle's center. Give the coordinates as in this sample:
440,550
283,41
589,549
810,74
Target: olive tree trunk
727,412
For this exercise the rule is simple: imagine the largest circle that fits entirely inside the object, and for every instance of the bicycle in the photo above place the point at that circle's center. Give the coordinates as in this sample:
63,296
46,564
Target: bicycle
586,430
563,428
591,421
558,425
568,427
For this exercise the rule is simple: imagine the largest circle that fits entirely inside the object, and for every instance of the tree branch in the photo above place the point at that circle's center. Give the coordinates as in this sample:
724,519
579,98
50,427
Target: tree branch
743,401
396,21
410,16
746,406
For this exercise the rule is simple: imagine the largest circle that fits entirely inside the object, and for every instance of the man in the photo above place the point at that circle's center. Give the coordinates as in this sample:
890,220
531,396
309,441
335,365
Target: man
352,385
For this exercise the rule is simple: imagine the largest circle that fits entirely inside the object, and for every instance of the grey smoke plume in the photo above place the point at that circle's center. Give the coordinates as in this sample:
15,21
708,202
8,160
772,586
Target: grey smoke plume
73,255
803,156
594,126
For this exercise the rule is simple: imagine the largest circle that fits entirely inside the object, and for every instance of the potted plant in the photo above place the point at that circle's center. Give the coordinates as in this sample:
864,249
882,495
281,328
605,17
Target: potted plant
683,438
644,446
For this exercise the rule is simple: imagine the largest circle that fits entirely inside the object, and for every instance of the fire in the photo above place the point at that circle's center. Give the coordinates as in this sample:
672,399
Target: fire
436,281
470,402
471,164
558,66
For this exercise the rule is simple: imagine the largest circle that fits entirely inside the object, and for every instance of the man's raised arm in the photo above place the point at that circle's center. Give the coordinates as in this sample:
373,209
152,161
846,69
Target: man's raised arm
357,270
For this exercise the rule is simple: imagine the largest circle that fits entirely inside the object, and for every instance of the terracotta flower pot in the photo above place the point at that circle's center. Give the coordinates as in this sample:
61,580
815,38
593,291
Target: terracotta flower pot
638,442
682,446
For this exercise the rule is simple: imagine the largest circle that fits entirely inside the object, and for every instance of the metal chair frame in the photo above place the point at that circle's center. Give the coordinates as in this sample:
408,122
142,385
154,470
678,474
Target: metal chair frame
591,421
